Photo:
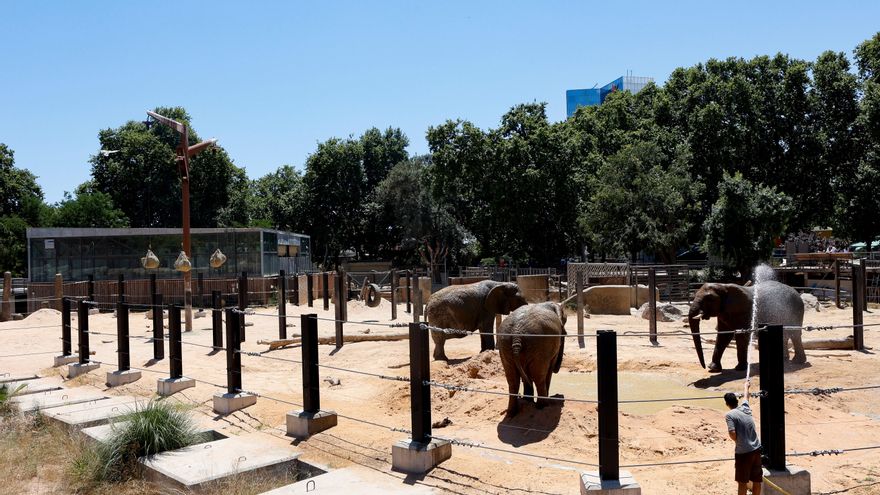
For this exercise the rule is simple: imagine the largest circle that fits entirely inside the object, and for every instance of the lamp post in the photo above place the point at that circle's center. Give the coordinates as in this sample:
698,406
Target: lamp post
184,152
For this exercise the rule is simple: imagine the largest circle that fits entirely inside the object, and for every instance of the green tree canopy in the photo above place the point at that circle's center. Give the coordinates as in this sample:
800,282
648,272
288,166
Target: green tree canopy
89,208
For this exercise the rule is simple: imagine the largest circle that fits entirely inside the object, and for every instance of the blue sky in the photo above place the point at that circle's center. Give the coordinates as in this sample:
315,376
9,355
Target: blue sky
272,79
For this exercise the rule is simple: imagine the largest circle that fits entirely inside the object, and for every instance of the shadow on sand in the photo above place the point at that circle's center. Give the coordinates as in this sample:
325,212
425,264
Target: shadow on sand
531,425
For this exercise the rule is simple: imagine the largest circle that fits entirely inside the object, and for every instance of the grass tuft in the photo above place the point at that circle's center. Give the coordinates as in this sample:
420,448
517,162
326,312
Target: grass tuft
5,394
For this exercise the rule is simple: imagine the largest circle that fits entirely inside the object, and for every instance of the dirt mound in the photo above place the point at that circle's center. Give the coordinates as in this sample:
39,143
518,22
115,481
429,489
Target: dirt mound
45,316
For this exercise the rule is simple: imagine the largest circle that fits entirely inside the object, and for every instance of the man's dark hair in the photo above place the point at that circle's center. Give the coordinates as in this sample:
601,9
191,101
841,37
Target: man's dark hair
731,400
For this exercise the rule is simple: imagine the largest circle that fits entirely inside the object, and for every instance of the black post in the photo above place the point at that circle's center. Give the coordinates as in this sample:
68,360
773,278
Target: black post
216,319
408,292
120,289
420,392
325,290
66,344
394,281
339,306
201,290
282,304
837,283
82,323
158,330
233,358
123,358
416,297
91,287
296,289
770,347
857,301
242,304
174,347
652,289
153,288
310,288
311,378
606,368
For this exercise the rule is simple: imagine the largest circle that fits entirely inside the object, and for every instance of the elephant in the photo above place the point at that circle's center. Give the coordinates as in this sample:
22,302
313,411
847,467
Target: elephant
778,304
470,307
532,360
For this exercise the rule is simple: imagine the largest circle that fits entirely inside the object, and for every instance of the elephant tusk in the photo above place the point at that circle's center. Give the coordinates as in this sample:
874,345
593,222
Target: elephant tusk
697,316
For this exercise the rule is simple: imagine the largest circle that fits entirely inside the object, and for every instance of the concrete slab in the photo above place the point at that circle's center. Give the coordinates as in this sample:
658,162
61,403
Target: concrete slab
591,483
170,386
117,378
228,403
418,458
77,416
34,386
196,467
55,398
61,360
6,378
793,480
301,424
349,482
77,369
102,433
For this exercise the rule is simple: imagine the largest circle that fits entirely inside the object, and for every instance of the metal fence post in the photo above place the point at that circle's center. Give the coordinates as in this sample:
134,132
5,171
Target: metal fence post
837,283
174,346
216,319
416,298
158,329
282,304
325,289
579,291
310,289
770,347
409,291
233,358
122,349
153,290
242,304
310,372
606,368
82,323
91,287
296,289
394,281
339,306
200,287
652,306
858,318
420,391
66,345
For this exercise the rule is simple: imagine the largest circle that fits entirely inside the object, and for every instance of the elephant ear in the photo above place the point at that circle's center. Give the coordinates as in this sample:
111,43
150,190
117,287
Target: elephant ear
558,364
560,311
496,300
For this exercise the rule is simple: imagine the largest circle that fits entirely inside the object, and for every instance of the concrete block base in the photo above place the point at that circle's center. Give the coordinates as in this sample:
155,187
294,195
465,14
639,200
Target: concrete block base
61,360
418,458
793,479
227,403
301,424
74,370
170,386
117,378
626,485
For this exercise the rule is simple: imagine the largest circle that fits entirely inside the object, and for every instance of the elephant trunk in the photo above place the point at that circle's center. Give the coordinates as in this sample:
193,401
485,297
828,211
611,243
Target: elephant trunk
694,321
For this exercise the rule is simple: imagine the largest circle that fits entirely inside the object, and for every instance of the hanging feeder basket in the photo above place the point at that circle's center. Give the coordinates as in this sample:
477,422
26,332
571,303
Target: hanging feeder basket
182,264
217,259
150,261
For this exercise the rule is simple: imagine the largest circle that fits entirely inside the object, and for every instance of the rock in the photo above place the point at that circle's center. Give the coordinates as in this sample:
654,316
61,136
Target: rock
443,423
332,381
810,301
17,316
200,314
665,312
94,311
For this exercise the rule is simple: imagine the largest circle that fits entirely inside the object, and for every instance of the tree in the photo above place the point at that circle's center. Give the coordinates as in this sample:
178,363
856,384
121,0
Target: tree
279,199
137,168
21,206
89,208
744,221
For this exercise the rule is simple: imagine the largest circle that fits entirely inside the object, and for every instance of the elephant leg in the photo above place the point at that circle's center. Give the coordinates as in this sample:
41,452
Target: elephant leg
487,338
721,342
742,351
439,339
513,380
543,386
800,357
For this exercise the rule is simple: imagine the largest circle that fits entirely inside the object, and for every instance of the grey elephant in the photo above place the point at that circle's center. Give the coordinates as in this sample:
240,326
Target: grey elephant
470,307
778,304
528,358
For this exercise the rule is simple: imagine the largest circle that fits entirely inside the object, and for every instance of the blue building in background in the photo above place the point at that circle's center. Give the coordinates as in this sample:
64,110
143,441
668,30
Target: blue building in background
575,98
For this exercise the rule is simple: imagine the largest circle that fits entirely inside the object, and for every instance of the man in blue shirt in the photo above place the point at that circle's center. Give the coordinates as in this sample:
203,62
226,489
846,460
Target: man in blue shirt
741,428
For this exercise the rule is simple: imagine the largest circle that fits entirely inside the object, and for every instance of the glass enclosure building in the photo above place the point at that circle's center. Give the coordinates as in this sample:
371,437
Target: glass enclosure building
575,98
105,253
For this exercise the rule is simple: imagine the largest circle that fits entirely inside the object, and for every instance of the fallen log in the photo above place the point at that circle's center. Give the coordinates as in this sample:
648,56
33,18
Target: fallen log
829,344
278,344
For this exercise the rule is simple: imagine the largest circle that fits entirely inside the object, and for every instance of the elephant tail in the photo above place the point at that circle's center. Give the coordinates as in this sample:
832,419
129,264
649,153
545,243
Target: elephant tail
516,345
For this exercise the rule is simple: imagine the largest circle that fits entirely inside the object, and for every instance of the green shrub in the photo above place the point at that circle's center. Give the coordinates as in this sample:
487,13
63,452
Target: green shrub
5,395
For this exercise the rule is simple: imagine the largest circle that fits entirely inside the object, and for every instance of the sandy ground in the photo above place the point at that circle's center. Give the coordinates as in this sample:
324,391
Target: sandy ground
659,432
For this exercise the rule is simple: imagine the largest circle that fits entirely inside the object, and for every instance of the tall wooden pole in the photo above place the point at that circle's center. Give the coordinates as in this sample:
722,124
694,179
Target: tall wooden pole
187,245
